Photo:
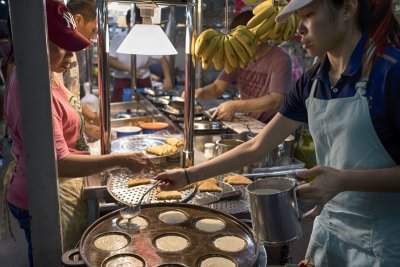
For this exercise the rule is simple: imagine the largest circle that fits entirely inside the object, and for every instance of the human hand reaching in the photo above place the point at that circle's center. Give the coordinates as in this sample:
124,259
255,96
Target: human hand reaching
167,84
137,162
328,182
172,179
227,110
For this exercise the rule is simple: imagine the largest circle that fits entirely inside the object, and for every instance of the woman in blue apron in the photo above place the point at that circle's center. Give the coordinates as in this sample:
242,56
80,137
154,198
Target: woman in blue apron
351,101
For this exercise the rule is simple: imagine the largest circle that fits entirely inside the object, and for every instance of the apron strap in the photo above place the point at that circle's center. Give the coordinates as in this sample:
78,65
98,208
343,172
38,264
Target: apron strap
313,87
5,226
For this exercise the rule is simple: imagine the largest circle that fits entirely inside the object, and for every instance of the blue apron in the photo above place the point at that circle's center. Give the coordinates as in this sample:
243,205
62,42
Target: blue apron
354,228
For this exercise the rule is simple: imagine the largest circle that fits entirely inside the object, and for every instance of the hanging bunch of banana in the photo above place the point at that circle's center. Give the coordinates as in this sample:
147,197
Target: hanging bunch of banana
263,23
227,51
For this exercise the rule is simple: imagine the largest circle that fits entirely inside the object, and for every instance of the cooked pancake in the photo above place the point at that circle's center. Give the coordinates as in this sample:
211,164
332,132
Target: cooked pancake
209,187
162,150
135,223
138,181
172,217
230,243
209,180
217,261
169,195
110,242
175,141
171,243
125,261
237,180
210,225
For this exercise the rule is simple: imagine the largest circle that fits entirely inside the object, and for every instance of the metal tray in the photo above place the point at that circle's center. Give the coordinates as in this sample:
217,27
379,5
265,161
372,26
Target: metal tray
117,186
206,126
138,143
142,242
227,206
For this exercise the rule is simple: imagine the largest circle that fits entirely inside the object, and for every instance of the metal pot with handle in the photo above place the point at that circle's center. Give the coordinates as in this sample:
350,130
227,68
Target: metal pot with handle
274,210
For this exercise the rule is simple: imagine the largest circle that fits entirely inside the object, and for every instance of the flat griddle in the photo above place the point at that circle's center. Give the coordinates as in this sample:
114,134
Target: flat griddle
141,242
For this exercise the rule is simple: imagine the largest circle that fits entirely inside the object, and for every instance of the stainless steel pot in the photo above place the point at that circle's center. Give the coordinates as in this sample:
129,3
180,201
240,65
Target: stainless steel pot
225,145
274,211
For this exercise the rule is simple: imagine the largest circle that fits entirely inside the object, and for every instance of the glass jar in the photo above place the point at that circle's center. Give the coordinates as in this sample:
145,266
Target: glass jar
209,150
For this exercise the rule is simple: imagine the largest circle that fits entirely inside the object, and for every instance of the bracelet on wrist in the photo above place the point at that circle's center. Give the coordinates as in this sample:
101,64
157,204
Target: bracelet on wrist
187,176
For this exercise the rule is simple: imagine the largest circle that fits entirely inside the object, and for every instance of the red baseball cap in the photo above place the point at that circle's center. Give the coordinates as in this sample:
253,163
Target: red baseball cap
62,29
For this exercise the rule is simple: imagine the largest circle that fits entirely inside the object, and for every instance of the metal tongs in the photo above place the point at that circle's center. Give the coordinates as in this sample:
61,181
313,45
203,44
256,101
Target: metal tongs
213,115
133,211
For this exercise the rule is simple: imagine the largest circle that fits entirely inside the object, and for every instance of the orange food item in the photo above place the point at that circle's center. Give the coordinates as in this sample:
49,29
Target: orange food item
154,125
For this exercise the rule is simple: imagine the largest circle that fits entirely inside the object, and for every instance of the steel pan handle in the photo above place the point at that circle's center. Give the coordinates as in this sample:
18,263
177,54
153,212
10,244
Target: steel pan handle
305,214
72,257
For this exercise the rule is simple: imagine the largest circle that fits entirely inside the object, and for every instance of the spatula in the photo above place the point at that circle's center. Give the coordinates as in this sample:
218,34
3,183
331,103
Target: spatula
215,198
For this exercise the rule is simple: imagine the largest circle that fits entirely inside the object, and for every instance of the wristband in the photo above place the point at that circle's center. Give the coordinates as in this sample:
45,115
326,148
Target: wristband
187,176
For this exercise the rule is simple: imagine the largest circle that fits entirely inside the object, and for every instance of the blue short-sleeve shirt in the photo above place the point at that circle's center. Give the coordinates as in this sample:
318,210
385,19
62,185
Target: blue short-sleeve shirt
383,92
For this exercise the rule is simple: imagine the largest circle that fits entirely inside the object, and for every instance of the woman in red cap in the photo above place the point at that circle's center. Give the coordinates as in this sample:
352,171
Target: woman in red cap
72,153
351,101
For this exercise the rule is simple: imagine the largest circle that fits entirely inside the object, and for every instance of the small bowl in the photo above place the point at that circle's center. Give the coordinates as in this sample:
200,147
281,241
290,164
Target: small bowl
151,127
127,130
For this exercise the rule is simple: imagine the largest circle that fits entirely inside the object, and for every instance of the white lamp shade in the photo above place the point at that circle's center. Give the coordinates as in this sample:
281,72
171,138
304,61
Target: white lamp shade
146,39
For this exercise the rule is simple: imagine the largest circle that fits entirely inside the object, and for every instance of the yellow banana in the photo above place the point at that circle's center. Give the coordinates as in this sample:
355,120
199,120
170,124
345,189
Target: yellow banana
266,25
218,58
289,28
277,41
297,22
249,45
240,51
209,52
227,66
267,4
205,63
262,5
230,53
266,36
278,30
203,41
260,17
244,31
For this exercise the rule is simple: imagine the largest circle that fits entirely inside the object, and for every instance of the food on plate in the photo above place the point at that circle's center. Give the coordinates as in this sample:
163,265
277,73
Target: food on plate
230,243
124,261
237,180
111,242
138,181
169,195
217,261
189,186
209,180
175,141
162,150
209,187
171,243
210,225
172,217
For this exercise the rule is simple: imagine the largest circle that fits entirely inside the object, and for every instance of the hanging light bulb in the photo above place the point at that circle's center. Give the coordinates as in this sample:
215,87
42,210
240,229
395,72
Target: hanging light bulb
146,38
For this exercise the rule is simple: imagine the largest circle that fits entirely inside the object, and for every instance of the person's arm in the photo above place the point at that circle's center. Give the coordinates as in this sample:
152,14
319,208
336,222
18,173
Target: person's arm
329,182
167,74
92,130
74,165
212,91
227,110
89,114
272,134
114,63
